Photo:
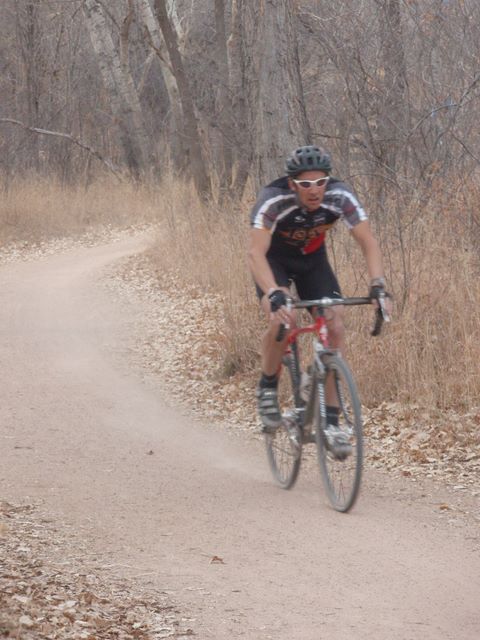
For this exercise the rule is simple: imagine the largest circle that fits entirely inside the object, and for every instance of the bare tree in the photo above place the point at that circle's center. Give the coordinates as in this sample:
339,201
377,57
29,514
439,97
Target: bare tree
28,34
276,105
190,133
392,88
392,105
156,41
236,80
121,90
224,106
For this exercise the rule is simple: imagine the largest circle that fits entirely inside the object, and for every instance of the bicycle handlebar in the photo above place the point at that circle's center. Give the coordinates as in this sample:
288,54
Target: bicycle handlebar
381,315
330,302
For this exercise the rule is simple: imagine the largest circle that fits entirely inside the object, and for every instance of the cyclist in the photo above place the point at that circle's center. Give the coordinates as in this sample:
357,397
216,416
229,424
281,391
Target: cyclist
287,244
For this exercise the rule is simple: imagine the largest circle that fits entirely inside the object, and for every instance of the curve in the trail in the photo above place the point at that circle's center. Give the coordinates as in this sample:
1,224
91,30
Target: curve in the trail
163,495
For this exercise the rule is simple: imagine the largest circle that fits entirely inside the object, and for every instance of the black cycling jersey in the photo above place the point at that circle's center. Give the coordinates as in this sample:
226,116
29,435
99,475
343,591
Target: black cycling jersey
295,230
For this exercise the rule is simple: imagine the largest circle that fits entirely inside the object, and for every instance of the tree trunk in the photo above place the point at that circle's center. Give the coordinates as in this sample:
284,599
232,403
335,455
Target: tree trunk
176,118
125,36
121,90
392,124
177,26
276,109
236,81
191,135
224,106
27,33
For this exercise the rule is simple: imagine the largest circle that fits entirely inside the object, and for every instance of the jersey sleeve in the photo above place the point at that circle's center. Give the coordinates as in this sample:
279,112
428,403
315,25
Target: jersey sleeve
272,205
351,211
264,211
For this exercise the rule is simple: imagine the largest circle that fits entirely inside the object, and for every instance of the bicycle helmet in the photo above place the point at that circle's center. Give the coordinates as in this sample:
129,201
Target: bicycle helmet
308,158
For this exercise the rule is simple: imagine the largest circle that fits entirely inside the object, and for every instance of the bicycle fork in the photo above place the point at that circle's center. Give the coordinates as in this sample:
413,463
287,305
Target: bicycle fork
320,375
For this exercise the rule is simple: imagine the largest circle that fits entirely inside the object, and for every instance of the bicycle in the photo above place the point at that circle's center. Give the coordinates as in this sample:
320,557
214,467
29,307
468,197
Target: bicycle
304,415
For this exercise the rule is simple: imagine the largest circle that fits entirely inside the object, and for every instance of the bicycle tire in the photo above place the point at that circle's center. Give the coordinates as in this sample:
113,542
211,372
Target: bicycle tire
284,445
341,475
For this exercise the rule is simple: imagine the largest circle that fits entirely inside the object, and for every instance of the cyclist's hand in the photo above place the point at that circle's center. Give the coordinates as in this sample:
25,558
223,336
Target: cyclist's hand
277,298
380,297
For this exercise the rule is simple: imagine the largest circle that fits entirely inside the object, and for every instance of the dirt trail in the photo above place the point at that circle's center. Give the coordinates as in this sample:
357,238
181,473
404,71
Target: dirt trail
161,496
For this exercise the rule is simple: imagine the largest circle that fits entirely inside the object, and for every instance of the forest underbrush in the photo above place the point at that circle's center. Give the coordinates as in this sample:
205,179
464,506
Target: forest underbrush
34,209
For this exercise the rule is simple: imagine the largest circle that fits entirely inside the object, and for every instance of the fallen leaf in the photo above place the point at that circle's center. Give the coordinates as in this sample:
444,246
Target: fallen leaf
22,599
26,621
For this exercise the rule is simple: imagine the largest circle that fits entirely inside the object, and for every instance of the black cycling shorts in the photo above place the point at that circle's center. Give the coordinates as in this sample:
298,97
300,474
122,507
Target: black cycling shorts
312,274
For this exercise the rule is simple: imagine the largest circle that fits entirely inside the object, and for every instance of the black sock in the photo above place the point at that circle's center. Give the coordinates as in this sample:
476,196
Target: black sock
268,382
332,415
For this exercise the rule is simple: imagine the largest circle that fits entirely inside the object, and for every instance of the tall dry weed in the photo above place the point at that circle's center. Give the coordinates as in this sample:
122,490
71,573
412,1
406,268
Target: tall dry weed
37,207
206,246
429,354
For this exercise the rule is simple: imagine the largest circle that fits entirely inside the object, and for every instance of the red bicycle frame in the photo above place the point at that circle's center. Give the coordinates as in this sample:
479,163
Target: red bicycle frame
319,326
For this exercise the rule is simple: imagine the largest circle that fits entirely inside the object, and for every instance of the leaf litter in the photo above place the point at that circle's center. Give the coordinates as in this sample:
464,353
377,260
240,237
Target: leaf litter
44,596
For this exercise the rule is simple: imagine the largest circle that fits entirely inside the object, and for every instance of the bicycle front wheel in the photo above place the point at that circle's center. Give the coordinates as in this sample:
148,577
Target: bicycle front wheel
284,445
340,451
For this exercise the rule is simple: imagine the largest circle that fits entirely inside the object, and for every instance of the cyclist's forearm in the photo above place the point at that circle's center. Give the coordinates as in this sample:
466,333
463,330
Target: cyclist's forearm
373,258
370,249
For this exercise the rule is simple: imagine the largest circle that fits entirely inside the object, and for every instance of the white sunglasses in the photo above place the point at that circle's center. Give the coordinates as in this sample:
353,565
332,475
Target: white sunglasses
306,184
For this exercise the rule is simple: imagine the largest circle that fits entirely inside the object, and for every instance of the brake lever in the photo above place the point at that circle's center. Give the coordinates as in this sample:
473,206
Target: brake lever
381,315
383,308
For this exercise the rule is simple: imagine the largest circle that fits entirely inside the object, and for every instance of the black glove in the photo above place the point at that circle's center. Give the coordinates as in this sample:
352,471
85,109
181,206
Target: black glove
278,298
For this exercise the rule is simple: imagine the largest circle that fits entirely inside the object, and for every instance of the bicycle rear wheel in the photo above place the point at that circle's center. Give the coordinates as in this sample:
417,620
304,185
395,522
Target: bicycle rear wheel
284,445
341,469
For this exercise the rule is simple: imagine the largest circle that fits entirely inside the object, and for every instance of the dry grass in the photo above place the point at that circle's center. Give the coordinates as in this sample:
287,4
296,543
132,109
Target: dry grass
431,350
206,247
36,208
430,354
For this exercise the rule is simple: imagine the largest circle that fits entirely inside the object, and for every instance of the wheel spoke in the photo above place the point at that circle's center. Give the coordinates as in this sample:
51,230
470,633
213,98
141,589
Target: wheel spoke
341,466
284,446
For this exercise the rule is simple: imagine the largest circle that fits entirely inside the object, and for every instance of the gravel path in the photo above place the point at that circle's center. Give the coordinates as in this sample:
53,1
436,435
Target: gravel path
123,517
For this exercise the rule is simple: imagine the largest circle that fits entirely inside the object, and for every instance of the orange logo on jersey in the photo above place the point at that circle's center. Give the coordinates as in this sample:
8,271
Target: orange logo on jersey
305,235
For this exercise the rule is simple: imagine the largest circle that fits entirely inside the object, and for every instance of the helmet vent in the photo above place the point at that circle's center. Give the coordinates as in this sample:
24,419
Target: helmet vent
308,158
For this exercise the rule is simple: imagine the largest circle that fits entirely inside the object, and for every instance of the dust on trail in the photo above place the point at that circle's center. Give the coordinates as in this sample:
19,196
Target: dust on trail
184,509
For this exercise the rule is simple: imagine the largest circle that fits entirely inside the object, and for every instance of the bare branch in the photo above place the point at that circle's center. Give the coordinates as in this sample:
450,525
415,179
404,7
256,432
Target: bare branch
464,146
66,136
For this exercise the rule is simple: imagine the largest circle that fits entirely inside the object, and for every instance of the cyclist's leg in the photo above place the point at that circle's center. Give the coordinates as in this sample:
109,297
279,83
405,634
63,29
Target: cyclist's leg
320,281
271,353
